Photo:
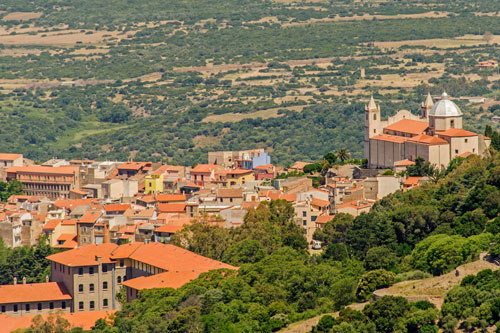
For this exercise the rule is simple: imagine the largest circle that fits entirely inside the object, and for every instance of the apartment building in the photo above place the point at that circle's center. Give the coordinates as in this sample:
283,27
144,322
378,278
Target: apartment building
52,182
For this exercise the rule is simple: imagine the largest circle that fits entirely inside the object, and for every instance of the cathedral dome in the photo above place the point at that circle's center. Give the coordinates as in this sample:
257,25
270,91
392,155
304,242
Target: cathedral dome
445,108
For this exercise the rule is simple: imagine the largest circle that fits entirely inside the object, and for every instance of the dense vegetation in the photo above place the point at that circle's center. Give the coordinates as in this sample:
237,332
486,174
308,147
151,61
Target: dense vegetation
427,231
125,88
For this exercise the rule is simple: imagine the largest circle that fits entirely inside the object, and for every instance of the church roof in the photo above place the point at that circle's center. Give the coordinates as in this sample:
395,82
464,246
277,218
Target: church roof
445,108
456,132
389,138
428,101
408,126
428,140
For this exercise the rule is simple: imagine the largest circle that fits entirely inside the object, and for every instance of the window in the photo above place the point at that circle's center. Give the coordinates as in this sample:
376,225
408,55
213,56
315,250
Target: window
80,306
105,302
456,151
374,131
466,140
51,305
104,268
63,305
105,285
3,308
91,270
124,278
80,288
27,307
121,263
374,116
39,306
92,305
452,123
304,214
80,271
15,307
91,287
119,279
304,222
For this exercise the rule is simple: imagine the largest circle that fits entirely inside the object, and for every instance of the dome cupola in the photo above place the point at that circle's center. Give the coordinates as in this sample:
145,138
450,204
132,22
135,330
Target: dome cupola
445,108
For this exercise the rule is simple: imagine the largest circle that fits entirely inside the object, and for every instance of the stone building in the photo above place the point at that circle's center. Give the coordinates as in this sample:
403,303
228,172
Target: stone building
436,135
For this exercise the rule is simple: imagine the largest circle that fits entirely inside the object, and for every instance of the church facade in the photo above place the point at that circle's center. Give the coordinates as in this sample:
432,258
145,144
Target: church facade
436,135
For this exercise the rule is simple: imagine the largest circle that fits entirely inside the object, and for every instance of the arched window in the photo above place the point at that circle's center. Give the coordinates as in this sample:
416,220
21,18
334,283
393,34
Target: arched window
119,279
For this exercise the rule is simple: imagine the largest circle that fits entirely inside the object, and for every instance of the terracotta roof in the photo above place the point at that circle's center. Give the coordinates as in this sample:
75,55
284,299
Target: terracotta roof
116,207
408,126
65,237
68,222
71,203
9,157
412,181
78,192
170,279
69,241
357,204
403,163
139,213
132,165
389,138
65,170
239,172
324,219
428,140
90,216
86,320
170,197
264,167
172,208
85,255
486,138
467,153
250,204
127,229
125,250
173,258
169,228
33,292
456,132
51,224
320,203
204,168
147,199
230,193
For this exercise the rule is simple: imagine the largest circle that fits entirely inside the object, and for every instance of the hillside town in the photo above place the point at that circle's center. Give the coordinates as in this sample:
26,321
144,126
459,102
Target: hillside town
113,221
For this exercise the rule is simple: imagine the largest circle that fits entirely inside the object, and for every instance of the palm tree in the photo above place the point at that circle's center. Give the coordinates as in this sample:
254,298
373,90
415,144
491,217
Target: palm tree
343,154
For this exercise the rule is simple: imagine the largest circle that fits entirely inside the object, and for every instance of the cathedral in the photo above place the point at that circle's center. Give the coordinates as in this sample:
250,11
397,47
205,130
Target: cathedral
436,135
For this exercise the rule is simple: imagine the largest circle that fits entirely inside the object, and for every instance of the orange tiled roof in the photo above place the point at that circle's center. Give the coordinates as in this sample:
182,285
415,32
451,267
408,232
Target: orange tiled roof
357,204
65,170
116,207
65,237
90,216
320,202
125,250
9,157
408,126
403,163
456,132
250,204
85,320
467,153
169,228
389,138
170,197
85,255
72,203
239,172
68,222
51,225
147,199
204,168
428,140
412,181
324,219
172,208
230,193
173,258
33,292
132,165
171,279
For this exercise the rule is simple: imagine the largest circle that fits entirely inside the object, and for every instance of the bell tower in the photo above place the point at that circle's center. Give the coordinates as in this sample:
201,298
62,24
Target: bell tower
372,125
426,107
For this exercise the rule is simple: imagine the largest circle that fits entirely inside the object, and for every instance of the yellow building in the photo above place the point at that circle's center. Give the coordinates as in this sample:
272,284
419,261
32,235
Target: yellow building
153,184
239,177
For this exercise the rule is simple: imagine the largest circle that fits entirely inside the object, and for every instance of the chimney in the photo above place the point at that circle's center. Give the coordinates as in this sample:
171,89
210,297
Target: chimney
15,281
24,279
46,278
